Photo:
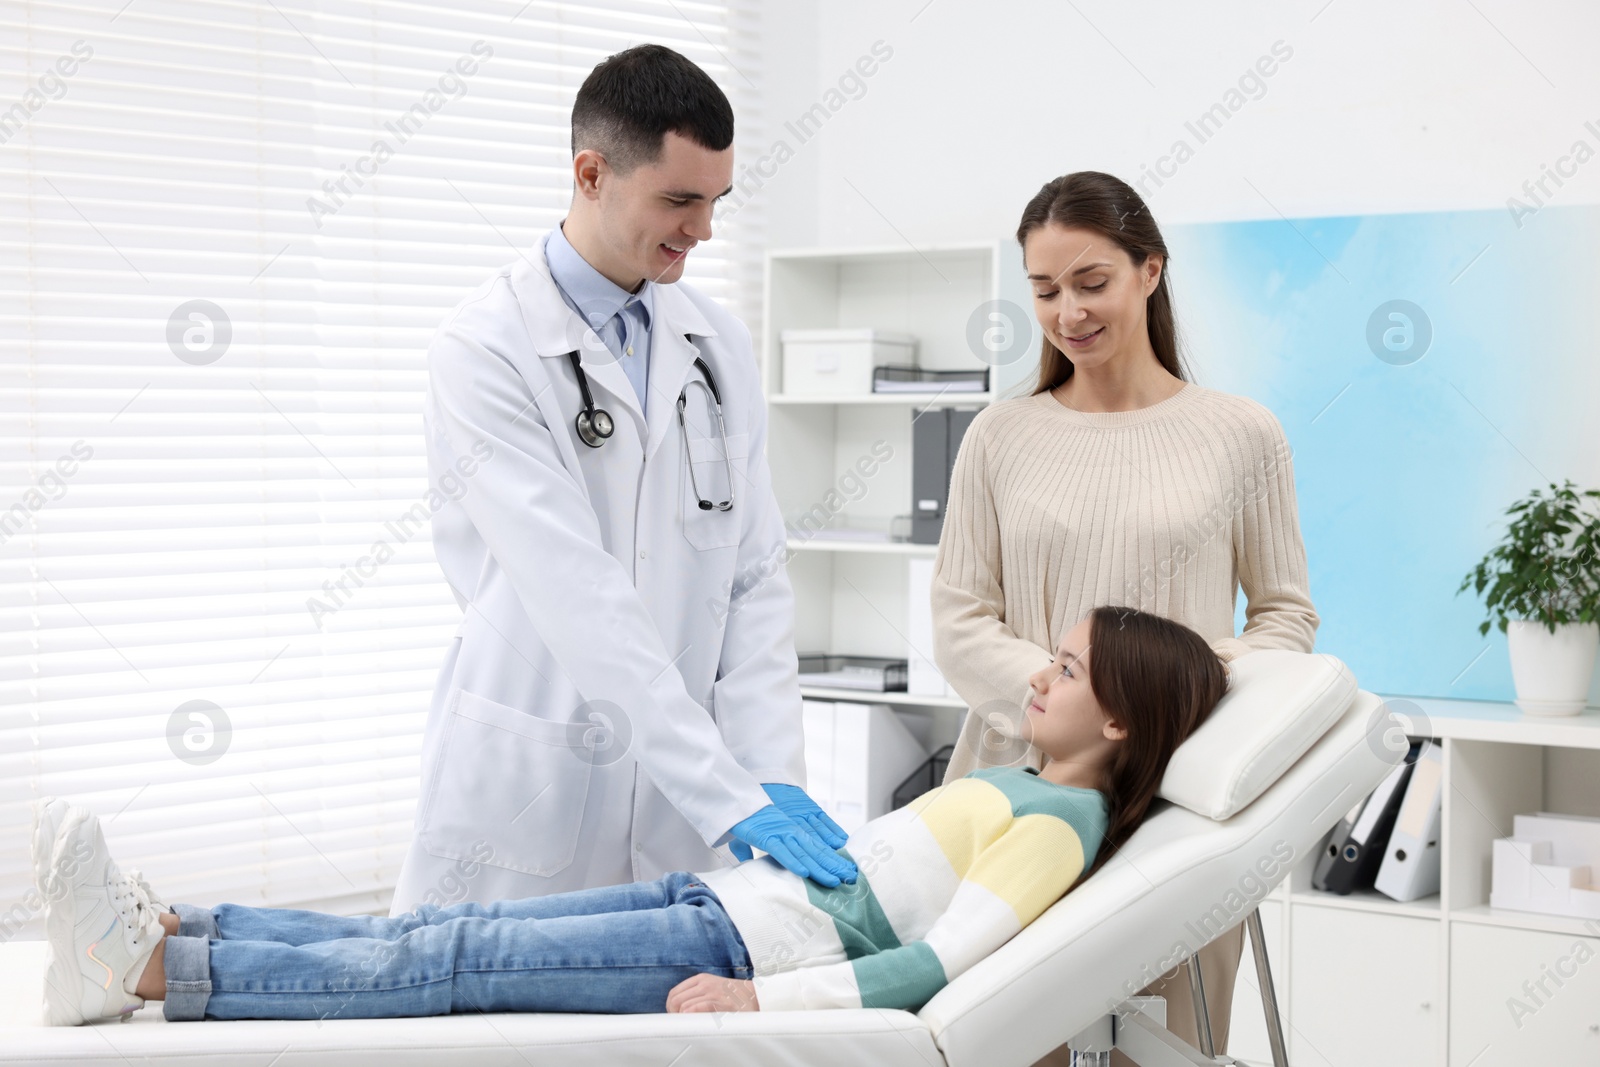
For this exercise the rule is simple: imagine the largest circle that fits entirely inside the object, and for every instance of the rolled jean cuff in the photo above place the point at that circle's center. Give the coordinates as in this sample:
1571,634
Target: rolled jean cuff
188,965
196,922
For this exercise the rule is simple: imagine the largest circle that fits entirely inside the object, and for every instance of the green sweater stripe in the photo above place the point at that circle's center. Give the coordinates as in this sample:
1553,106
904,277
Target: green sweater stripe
858,918
906,978
1032,795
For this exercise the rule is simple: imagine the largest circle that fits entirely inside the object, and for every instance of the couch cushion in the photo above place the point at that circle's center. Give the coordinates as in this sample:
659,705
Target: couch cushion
1181,880
1277,705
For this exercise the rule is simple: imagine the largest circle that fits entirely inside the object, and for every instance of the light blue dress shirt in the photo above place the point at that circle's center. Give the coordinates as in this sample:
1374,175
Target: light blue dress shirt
620,318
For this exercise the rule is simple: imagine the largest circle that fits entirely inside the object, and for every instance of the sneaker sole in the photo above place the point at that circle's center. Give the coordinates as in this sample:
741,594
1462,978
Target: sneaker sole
59,979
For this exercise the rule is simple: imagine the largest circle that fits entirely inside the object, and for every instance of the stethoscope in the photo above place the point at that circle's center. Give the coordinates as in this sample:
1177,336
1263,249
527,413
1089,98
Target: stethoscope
595,426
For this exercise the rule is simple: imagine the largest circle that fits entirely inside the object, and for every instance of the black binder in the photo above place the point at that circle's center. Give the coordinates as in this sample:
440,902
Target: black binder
935,440
1355,851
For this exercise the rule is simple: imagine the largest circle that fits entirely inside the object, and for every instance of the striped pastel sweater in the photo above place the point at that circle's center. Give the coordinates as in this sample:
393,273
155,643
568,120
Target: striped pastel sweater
944,881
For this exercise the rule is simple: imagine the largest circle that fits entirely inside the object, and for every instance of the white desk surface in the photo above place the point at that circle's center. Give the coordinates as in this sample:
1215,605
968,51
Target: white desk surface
1489,720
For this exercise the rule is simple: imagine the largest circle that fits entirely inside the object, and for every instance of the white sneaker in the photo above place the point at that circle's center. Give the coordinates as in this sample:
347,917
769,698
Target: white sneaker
100,922
48,815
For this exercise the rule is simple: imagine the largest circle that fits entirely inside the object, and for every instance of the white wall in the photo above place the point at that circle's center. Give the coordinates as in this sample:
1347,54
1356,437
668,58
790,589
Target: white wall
790,32
1382,107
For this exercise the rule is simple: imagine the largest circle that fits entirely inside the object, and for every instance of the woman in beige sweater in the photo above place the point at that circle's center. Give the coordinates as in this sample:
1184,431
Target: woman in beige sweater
1116,481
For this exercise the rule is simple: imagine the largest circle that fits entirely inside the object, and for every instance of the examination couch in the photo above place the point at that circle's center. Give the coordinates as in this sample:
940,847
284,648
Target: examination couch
1249,797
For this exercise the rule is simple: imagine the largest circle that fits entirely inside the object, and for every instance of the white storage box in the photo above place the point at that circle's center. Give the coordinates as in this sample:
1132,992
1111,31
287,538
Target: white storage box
839,362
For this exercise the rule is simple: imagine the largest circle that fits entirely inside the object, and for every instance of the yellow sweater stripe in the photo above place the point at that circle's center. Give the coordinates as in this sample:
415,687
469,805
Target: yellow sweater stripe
965,817
1024,868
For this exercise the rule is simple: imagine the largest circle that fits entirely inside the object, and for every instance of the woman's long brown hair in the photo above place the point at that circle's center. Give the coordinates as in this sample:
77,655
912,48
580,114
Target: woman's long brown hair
1109,206
1159,680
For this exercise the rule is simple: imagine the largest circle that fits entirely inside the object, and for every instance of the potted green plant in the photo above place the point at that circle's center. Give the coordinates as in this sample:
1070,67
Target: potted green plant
1543,583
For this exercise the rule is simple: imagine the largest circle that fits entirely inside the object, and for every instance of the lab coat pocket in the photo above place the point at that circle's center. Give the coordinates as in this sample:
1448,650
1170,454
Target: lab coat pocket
711,528
508,778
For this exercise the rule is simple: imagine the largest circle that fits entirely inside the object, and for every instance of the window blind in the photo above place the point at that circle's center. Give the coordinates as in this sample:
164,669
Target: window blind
230,229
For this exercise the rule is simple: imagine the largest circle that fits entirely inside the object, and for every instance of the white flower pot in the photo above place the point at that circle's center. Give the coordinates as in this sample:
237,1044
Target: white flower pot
1552,671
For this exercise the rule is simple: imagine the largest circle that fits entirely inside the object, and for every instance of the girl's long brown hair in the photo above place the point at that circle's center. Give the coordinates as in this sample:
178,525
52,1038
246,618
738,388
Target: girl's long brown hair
1159,680
1109,206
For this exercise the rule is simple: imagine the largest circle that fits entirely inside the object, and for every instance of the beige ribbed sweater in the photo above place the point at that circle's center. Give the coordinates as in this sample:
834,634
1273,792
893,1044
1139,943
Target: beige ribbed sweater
1167,508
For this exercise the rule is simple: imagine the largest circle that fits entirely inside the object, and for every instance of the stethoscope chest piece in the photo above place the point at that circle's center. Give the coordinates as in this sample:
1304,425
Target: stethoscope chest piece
715,396
594,424
593,429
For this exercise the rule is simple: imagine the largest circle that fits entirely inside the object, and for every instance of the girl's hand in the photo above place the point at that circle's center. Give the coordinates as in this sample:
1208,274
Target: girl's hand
708,992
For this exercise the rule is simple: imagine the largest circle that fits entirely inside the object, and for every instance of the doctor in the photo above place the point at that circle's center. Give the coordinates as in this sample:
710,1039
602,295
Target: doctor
622,696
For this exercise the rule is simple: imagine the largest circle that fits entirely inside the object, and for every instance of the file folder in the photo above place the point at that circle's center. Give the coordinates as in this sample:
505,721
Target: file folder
1355,850
935,442
1410,868
817,724
855,756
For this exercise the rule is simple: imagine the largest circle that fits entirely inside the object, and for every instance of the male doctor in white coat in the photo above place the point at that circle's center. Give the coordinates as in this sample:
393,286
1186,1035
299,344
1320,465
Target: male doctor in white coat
622,697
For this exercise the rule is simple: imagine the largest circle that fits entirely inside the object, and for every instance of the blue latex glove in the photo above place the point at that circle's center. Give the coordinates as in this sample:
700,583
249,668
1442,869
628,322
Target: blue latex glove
798,805
791,844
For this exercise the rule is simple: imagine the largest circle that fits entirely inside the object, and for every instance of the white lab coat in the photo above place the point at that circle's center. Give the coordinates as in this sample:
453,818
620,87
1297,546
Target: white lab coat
597,605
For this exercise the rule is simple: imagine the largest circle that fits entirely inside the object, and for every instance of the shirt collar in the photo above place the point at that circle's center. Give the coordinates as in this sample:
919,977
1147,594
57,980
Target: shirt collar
597,297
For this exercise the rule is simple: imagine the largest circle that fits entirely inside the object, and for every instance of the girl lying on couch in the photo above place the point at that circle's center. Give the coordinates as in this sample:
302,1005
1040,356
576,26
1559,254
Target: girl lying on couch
943,881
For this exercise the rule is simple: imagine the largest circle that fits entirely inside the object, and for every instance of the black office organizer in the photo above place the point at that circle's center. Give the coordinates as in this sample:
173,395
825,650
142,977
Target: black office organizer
924,778
895,671
933,379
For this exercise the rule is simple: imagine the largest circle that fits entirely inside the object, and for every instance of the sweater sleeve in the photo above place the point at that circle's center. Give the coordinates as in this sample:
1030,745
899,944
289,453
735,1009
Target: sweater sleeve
982,658
1010,883
1270,555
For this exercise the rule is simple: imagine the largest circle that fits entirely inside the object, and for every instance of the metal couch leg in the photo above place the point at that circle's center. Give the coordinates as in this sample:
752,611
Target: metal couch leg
1269,997
1202,1018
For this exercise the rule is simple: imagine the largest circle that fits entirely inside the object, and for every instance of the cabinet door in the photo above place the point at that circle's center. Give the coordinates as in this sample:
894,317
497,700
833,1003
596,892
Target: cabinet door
1363,989
1247,1030
1523,997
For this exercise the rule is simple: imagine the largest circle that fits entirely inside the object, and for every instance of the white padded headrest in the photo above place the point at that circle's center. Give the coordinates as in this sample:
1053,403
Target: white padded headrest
1277,705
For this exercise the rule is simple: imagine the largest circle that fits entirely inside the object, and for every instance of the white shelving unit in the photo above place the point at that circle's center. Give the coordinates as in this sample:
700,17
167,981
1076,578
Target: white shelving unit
851,595
822,692
1361,979
890,548
890,399
1367,980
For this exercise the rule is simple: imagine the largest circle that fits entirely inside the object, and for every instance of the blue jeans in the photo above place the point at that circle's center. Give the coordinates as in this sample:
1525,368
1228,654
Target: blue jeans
616,949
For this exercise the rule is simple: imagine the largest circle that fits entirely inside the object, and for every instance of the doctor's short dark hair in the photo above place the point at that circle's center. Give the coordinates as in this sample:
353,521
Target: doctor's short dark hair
628,103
